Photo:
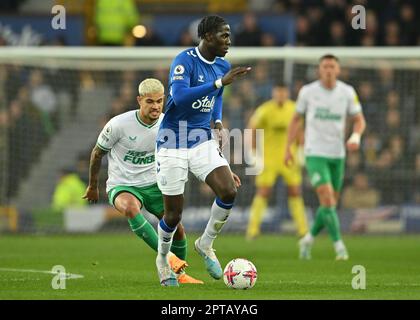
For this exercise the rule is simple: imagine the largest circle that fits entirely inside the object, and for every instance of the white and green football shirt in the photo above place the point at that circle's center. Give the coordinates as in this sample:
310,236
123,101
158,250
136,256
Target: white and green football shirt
130,144
325,117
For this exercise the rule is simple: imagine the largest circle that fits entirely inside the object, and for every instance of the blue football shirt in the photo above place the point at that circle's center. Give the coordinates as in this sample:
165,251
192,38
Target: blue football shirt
193,100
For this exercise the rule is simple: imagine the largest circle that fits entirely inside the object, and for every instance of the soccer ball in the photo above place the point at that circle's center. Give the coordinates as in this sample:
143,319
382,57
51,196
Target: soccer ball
240,274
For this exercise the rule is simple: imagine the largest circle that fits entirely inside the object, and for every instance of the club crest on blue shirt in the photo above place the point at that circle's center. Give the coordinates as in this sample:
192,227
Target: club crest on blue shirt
179,69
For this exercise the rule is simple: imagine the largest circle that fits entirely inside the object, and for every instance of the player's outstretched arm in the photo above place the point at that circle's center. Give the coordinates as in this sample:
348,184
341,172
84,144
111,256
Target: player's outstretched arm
359,126
92,191
294,129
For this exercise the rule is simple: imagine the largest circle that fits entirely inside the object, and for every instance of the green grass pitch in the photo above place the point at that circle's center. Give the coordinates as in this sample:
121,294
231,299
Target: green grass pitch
120,266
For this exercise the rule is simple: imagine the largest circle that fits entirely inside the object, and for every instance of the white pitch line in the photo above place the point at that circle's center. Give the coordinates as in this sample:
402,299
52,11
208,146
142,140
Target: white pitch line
67,275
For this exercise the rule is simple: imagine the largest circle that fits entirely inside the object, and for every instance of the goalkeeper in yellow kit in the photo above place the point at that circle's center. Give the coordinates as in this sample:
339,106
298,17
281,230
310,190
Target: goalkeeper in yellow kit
274,117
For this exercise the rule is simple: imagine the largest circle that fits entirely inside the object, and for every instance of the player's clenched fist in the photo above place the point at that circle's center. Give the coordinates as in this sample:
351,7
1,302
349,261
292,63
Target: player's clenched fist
229,77
91,194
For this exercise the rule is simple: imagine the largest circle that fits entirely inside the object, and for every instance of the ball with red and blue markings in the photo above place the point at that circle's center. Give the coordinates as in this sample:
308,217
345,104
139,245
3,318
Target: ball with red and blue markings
240,273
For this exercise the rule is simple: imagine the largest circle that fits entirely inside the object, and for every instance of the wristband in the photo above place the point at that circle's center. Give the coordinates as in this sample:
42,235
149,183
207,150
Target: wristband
218,83
355,138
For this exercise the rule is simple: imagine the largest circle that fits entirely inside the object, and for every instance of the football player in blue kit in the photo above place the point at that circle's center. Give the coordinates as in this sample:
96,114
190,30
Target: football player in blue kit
185,142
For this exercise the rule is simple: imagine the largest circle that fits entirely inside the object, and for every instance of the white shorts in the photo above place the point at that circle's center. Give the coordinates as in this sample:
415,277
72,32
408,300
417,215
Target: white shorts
172,165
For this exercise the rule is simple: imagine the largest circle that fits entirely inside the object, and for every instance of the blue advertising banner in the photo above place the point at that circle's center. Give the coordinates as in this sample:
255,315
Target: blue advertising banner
38,30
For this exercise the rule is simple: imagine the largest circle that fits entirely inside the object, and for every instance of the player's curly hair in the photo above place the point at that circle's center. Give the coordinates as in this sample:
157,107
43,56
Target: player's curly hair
210,24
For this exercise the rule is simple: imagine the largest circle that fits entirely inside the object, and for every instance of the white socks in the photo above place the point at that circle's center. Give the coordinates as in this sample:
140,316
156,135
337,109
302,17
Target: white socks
339,246
165,235
219,213
308,238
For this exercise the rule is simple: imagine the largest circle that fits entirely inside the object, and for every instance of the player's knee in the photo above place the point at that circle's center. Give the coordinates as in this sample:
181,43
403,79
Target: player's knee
264,192
228,195
130,210
172,219
294,191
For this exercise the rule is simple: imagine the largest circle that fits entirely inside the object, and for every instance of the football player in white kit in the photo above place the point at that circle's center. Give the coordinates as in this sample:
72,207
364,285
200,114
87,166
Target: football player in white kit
129,142
325,105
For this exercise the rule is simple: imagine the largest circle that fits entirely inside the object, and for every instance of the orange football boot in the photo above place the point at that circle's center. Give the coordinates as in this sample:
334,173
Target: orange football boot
185,278
177,265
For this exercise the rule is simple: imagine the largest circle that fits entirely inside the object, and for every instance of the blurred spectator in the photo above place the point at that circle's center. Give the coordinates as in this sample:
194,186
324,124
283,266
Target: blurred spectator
384,162
234,111
317,25
26,138
337,34
268,40
248,32
372,29
353,163
117,107
371,108
360,195
126,94
367,41
162,74
396,147
44,99
393,100
371,146
386,78
393,122
407,21
186,39
303,36
391,34
262,81
405,106
68,192
114,21
246,90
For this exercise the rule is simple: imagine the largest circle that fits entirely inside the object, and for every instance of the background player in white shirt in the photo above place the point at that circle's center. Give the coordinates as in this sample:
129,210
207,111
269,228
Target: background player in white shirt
325,104
129,142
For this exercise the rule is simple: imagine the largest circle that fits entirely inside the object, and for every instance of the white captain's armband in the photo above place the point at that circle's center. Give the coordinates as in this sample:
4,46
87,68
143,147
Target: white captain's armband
218,83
